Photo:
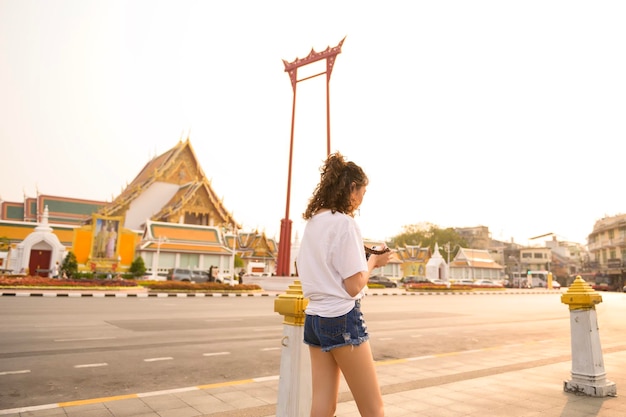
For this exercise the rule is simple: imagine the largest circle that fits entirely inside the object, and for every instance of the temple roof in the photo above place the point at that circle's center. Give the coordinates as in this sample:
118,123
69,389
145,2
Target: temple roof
174,237
474,258
254,245
176,185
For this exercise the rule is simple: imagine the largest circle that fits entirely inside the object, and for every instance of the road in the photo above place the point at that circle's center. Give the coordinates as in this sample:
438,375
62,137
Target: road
56,349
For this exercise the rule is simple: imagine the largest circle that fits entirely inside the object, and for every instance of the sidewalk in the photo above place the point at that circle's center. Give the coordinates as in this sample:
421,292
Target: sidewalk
516,380
505,381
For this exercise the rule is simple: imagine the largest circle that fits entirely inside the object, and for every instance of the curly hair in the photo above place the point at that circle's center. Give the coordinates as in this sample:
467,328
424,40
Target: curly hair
333,190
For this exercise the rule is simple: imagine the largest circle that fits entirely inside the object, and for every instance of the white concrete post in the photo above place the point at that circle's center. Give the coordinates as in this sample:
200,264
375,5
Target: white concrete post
588,374
294,385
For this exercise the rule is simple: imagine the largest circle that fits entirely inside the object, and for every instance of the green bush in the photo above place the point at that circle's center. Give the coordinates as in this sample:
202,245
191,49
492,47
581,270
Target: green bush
51,282
138,267
69,265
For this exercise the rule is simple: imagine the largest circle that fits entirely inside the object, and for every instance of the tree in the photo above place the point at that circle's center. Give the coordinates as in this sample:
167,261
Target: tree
426,235
138,267
69,267
238,261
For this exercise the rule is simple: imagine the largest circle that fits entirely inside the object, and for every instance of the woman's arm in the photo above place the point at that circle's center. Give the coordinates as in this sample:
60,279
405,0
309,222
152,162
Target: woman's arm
358,281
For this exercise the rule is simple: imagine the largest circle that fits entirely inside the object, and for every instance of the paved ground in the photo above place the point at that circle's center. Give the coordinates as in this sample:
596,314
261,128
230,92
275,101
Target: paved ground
508,380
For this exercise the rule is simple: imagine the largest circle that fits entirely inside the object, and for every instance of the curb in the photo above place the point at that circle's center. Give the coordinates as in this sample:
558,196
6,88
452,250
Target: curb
72,294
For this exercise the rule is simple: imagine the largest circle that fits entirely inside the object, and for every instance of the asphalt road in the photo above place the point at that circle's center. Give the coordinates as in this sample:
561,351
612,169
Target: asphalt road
66,349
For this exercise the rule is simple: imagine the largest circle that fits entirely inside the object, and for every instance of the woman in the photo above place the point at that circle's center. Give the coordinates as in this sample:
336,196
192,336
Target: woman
333,269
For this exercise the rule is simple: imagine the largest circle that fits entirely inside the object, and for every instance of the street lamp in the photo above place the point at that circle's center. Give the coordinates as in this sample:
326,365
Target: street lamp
155,260
447,246
232,261
519,269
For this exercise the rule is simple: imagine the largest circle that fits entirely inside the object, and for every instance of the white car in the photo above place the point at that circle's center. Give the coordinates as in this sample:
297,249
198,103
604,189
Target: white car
441,282
226,280
486,283
555,284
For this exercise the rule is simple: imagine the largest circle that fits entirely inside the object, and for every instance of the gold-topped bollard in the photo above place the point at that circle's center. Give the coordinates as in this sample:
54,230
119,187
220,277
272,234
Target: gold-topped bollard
292,305
294,385
588,374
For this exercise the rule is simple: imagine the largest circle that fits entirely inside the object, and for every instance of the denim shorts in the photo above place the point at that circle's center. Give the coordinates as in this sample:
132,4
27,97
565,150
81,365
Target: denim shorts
332,332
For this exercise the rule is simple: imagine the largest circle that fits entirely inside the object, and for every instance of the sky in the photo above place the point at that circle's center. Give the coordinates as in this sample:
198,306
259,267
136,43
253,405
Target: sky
505,114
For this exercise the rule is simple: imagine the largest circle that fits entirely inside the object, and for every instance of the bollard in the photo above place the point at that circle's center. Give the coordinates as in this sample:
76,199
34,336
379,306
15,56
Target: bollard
549,284
588,375
294,385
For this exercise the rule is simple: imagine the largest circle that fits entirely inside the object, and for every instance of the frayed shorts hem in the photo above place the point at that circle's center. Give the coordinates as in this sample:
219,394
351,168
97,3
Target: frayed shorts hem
355,342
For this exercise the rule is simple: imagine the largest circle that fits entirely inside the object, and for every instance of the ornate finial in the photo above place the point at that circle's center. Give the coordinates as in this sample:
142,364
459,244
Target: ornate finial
581,296
44,220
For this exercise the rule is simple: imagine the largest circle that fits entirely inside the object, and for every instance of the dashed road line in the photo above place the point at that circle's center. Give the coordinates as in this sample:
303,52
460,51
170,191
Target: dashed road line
216,354
24,371
91,365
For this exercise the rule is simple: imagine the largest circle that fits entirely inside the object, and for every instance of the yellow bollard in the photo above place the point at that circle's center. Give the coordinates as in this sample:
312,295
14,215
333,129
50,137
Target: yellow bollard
588,375
294,385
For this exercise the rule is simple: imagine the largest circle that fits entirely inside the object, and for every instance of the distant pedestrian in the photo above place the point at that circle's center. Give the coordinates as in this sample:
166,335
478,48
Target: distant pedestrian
55,271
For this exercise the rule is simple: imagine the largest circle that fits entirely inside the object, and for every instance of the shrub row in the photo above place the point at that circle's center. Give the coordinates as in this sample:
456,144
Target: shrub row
40,282
30,281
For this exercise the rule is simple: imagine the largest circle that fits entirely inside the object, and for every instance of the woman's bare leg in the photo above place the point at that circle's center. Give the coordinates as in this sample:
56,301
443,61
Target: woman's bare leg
357,365
325,379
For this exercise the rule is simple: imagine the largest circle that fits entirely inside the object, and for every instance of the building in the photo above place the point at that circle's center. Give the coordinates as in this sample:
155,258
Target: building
474,264
476,237
61,210
607,251
169,215
413,260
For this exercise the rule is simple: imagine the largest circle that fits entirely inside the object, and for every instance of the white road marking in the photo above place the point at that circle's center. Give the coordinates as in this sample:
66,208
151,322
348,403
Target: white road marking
91,365
25,371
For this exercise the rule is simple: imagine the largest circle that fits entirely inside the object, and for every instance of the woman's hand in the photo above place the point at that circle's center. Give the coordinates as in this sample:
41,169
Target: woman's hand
358,281
381,260
378,260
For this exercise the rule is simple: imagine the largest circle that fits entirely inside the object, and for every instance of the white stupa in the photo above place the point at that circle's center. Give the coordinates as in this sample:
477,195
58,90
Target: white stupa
41,246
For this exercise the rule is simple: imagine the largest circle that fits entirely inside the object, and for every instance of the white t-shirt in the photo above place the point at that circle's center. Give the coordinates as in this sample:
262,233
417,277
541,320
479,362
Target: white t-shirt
331,250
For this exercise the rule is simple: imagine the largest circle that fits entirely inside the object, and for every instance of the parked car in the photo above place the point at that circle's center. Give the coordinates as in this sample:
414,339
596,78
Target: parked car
555,284
464,282
379,279
412,279
187,275
486,283
440,282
